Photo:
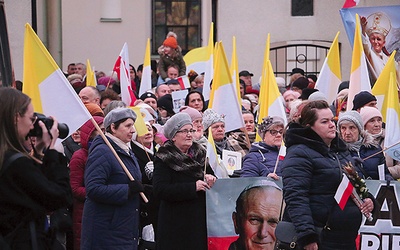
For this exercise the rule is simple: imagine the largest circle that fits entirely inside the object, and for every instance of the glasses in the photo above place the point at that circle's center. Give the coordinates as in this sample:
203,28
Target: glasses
186,131
274,132
33,119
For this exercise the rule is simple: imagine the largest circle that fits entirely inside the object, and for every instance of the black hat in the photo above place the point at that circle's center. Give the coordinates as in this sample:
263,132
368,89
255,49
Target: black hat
245,73
146,95
306,93
362,98
165,102
313,77
297,70
343,85
300,83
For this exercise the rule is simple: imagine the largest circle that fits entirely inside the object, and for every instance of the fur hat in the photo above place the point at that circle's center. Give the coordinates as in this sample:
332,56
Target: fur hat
175,123
118,114
351,116
171,42
367,113
193,113
362,98
295,94
210,117
267,123
75,78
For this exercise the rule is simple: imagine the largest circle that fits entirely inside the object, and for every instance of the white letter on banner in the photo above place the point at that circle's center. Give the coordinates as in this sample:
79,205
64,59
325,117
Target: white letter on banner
396,242
367,239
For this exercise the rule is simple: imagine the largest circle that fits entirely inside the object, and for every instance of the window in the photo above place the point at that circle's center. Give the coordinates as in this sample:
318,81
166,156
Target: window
179,16
302,8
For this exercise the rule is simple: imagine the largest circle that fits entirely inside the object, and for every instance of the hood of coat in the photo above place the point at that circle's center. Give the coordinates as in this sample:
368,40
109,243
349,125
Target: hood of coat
87,129
263,147
297,134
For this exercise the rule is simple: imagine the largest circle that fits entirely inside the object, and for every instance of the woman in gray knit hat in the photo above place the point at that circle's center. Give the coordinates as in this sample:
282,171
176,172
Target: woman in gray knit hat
362,145
179,184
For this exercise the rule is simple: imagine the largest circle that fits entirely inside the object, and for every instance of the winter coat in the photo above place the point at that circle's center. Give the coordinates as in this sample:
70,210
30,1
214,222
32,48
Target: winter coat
111,214
166,61
77,171
311,174
369,167
149,210
28,191
182,213
261,160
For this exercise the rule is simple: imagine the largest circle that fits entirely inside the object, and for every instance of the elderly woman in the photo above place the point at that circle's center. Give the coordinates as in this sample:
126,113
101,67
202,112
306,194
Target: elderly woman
111,211
216,122
372,122
197,121
311,173
362,145
263,156
180,184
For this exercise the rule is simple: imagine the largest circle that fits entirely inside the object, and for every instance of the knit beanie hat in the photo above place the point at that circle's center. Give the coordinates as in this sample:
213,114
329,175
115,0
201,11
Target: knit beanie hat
343,85
94,109
118,114
362,98
175,123
193,113
210,117
146,95
351,116
287,93
317,96
300,83
267,123
367,113
165,102
171,42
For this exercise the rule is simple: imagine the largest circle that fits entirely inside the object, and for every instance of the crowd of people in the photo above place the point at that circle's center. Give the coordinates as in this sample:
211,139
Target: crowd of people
168,164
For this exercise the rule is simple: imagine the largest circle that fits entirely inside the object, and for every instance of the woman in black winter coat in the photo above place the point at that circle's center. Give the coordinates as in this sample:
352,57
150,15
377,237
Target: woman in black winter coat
180,184
311,174
31,185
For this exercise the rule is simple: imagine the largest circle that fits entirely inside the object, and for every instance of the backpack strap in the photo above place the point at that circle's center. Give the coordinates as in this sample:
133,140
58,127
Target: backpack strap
10,160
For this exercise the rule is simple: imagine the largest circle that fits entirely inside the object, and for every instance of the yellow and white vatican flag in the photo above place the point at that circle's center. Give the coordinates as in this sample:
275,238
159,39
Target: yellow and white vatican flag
196,60
392,120
209,66
380,87
330,76
140,124
145,83
270,101
235,70
223,99
359,77
45,83
90,76
212,157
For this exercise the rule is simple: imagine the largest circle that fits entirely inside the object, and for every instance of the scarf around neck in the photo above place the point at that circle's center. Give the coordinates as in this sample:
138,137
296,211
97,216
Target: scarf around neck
124,146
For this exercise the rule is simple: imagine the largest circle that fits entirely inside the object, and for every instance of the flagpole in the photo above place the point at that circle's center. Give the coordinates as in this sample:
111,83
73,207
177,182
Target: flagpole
118,158
247,138
109,79
276,163
383,150
205,168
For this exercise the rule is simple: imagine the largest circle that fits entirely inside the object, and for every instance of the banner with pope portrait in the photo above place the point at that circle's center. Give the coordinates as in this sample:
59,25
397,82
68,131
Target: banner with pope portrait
380,33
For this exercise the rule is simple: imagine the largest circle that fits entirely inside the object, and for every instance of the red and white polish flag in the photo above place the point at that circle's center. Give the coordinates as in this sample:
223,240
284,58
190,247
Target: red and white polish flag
343,192
184,82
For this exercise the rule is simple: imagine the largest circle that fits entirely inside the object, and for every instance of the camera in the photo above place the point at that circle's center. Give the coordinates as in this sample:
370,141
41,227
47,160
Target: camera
48,122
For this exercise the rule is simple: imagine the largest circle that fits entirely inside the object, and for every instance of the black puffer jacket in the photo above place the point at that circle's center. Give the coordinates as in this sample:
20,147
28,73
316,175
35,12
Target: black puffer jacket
311,175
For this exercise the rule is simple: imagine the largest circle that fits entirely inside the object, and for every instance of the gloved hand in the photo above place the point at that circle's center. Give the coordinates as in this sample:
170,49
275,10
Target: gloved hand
135,187
149,168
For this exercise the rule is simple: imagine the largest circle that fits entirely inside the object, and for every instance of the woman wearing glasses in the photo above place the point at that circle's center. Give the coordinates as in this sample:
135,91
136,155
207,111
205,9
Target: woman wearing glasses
262,160
311,173
31,184
180,183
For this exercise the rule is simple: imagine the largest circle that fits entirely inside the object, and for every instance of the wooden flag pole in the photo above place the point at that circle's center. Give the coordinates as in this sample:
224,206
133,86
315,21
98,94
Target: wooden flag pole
383,150
117,157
